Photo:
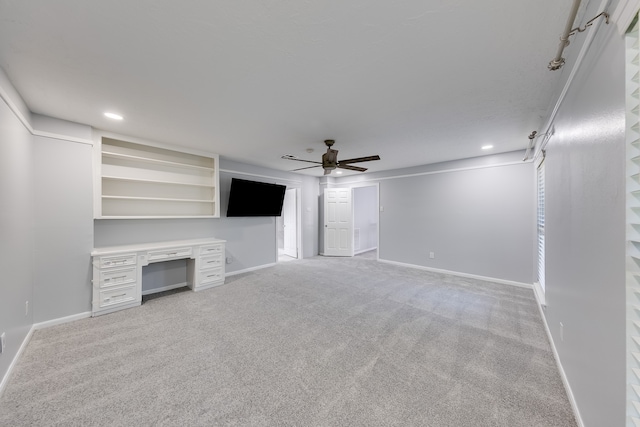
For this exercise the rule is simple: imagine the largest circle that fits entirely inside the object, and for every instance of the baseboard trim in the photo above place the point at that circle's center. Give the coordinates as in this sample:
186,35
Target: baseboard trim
537,289
164,288
61,320
361,251
556,356
247,270
456,273
26,340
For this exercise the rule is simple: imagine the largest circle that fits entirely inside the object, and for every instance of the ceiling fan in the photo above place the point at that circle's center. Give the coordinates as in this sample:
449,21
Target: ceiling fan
330,160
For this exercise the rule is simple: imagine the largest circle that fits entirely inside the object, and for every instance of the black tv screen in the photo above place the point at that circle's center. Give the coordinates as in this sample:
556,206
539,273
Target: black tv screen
250,198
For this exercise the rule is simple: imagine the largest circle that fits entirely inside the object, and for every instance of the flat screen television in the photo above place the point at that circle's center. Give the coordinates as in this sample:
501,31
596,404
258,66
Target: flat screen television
251,198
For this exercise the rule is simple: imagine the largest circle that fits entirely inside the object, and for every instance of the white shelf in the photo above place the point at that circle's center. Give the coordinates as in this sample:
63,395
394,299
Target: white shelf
155,216
155,181
164,199
135,180
149,160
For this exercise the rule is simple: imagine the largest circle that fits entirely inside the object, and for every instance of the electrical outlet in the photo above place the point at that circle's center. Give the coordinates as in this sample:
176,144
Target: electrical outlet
381,208
229,260
2,342
432,255
561,332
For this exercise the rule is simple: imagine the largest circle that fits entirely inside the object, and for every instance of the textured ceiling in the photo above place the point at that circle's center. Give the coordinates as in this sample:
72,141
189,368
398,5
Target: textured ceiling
416,81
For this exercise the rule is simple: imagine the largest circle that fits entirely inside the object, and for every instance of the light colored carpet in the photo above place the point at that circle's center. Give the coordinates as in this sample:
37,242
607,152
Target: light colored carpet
314,342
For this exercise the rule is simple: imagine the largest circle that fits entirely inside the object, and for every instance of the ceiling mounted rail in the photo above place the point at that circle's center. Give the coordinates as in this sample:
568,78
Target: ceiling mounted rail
532,144
558,60
532,136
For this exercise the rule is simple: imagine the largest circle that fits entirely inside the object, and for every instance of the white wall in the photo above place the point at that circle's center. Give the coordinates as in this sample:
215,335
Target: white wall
476,215
585,233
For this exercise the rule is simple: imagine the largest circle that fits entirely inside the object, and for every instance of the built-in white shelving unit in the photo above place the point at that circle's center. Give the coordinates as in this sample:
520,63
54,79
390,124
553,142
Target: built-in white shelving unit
136,180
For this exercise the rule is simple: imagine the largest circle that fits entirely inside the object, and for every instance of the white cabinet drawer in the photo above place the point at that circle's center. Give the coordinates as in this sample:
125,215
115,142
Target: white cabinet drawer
117,296
212,275
115,277
211,250
166,254
117,260
210,261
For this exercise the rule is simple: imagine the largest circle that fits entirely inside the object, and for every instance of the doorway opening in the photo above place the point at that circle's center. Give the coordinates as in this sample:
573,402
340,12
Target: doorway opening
365,221
351,216
287,227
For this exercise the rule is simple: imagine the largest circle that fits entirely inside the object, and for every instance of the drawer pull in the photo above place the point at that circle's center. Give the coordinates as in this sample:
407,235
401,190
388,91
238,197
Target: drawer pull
212,275
114,296
115,278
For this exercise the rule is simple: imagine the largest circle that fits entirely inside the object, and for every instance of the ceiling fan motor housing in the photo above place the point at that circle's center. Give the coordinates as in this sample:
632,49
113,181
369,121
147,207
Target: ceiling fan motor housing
330,159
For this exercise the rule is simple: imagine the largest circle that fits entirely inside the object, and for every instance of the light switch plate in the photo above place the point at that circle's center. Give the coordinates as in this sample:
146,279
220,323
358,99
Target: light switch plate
2,342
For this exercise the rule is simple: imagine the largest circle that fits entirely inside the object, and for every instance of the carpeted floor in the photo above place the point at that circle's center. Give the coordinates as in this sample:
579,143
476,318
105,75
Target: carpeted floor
314,342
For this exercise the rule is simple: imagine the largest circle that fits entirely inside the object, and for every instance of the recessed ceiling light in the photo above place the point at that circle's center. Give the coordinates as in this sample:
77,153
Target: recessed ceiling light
487,147
339,172
113,116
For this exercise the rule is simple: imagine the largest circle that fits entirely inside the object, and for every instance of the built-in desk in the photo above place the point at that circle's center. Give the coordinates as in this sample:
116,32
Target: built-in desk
117,270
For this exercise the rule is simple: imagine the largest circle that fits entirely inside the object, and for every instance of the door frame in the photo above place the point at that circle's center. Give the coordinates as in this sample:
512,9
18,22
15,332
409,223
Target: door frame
298,223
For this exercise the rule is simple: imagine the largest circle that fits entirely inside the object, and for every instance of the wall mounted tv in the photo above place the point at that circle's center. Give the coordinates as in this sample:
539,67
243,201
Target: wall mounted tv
250,198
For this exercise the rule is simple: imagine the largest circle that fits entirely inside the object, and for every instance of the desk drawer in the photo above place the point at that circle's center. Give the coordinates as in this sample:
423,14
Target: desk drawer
117,296
211,261
216,249
117,260
211,275
115,277
167,254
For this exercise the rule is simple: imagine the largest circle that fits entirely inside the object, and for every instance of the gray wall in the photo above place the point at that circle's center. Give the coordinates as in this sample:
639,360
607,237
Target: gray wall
585,234
16,231
476,215
63,228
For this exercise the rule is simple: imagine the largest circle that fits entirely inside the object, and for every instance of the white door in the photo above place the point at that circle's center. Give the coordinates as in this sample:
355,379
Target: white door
338,222
289,214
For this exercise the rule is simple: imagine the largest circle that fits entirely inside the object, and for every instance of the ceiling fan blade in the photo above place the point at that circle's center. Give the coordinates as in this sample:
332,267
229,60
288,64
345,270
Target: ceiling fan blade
352,168
300,160
308,167
360,159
